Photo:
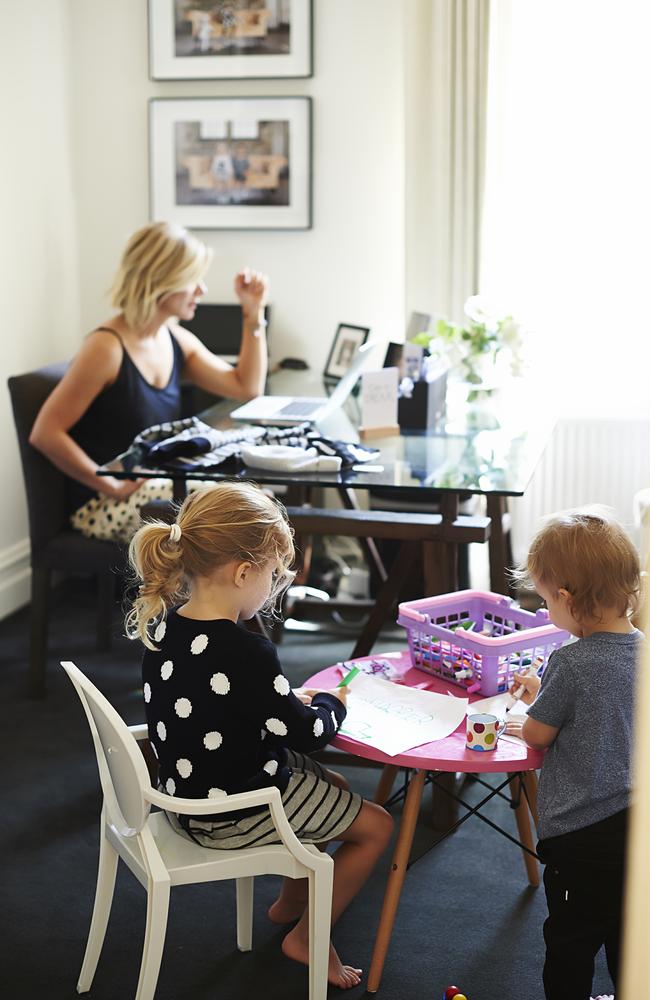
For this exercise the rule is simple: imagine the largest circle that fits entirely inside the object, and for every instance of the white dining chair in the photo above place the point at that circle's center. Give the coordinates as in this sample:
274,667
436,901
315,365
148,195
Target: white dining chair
160,858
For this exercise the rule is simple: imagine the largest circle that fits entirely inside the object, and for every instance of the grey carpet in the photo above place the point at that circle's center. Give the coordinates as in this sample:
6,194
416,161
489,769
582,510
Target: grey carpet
467,915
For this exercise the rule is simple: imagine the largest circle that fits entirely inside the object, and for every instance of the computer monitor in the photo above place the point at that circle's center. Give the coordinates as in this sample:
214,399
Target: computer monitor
219,327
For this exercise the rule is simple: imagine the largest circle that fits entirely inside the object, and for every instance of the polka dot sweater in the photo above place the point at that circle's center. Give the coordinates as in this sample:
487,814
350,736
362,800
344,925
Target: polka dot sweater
221,712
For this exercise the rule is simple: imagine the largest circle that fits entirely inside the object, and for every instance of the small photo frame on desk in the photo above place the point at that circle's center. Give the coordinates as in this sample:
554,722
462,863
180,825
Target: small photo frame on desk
347,340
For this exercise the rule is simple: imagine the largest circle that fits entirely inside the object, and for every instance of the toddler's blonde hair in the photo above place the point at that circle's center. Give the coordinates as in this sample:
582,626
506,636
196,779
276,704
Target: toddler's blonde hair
228,522
159,259
587,552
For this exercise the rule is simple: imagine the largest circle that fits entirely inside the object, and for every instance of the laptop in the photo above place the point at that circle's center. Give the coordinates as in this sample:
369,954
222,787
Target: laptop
283,411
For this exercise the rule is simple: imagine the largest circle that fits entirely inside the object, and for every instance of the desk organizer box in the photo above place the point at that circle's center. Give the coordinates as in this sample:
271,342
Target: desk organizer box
477,639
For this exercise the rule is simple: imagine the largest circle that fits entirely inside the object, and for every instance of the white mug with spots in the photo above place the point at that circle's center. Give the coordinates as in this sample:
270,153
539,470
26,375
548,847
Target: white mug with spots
483,731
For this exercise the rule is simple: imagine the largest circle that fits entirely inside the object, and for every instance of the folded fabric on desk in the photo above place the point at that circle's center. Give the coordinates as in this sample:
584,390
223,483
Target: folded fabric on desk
190,445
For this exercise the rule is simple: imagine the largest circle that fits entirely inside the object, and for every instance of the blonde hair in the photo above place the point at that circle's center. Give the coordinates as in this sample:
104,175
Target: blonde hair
224,523
159,259
588,553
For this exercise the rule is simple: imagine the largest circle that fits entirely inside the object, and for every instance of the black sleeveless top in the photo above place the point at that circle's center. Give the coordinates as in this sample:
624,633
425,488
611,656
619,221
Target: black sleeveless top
121,411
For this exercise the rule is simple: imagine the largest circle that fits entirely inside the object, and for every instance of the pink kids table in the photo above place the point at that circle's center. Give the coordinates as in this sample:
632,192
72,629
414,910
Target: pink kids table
439,760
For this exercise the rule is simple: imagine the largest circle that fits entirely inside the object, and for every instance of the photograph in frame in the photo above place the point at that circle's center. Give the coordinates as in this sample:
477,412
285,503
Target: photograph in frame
347,340
231,163
229,39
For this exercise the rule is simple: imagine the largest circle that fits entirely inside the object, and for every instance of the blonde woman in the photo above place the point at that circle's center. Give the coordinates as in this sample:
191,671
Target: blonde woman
222,717
127,375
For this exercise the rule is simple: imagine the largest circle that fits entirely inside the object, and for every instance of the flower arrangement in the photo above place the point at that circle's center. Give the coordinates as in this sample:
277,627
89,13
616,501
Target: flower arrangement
475,346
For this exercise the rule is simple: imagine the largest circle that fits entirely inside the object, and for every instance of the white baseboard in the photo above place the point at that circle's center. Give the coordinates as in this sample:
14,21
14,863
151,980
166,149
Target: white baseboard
15,578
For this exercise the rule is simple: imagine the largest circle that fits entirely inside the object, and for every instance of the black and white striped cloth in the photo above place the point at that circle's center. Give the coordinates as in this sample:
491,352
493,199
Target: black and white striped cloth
191,445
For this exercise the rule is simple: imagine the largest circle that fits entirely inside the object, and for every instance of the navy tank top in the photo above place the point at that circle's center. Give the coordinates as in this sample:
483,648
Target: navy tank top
121,411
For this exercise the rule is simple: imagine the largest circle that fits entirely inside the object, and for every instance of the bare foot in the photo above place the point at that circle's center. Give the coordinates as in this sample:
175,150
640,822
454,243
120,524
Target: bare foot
285,911
343,976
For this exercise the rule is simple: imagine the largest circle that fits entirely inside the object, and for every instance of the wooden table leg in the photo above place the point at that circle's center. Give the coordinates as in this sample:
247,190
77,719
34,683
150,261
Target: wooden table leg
522,815
499,545
386,782
396,878
530,784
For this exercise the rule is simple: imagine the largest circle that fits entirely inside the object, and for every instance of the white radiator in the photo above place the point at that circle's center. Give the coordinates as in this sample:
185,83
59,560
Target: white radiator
587,461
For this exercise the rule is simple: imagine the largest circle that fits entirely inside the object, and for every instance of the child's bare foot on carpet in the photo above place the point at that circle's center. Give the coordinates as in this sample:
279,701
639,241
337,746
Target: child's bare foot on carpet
343,976
284,911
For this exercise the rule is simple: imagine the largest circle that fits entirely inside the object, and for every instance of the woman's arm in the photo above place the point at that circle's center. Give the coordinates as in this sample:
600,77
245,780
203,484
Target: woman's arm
95,367
246,380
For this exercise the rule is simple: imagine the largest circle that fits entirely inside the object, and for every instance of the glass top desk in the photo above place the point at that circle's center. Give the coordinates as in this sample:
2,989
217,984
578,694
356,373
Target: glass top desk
492,449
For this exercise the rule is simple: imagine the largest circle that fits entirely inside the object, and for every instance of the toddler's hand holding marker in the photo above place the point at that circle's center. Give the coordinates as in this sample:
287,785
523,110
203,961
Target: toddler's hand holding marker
527,686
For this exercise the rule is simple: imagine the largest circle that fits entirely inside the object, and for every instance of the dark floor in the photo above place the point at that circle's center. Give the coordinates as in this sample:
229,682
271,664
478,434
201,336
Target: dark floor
467,915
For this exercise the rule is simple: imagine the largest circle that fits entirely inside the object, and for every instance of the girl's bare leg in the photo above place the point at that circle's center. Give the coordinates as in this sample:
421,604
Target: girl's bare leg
363,843
294,894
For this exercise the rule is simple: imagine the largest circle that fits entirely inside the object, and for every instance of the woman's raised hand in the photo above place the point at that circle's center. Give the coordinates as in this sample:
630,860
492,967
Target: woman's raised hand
251,288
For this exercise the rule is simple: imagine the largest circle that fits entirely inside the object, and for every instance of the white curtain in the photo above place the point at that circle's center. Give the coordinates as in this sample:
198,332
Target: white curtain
566,223
446,74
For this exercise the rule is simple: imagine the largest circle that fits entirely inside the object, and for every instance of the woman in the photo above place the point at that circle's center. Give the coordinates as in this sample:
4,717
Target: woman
127,375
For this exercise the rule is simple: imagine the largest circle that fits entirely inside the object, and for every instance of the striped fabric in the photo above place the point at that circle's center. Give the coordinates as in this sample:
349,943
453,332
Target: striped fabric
317,812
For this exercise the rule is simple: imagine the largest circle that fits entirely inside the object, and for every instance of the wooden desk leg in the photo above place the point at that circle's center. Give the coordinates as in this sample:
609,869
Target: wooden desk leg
499,545
522,816
530,784
396,878
386,782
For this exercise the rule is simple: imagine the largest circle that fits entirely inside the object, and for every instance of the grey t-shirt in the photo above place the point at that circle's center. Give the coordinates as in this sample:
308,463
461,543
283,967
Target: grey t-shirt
587,692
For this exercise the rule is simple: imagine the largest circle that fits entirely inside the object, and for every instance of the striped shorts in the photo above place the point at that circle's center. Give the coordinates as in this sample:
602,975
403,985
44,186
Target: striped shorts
317,812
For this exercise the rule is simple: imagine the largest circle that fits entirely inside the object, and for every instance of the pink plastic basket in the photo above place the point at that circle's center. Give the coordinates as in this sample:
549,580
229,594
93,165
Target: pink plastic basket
477,639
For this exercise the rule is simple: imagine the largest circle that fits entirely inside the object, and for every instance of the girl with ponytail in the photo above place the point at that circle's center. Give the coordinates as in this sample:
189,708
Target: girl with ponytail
222,716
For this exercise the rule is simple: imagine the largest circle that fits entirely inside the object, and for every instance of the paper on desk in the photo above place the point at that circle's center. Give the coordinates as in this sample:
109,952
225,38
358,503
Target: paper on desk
394,718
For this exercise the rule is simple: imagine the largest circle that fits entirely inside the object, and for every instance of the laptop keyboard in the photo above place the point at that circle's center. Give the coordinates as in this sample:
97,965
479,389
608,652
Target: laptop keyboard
300,408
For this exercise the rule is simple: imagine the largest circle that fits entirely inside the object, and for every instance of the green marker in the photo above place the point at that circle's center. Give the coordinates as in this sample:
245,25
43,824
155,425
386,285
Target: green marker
351,674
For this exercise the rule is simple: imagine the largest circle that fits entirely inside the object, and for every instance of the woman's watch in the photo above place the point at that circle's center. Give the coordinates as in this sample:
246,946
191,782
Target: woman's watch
259,326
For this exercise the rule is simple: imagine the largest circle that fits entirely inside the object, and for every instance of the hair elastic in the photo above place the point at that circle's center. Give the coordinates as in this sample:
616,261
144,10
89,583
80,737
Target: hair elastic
174,532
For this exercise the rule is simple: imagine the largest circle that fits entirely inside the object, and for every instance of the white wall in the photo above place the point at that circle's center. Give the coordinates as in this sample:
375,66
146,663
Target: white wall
349,266
79,157
39,271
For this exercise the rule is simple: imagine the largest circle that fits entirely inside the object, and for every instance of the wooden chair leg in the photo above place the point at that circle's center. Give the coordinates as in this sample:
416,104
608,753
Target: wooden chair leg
529,779
41,581
105,604
522,816
386,782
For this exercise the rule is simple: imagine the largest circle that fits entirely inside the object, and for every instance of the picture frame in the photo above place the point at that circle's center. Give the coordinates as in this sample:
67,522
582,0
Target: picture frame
231,162
230,39
347,340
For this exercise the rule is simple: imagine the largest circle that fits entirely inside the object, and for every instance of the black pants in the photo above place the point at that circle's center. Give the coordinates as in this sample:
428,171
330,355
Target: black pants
584,882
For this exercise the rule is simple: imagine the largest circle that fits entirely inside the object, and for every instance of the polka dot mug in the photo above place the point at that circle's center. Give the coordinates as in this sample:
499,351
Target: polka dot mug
483,731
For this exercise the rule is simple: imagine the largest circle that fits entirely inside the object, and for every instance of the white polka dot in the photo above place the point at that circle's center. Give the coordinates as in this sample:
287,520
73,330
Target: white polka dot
215,793
212,741
199,644
183,707
166,670
318,727
184,767
281,684
334,720
263,734
271,767
170,786
147,693
220,684
159,634
276,727
162,732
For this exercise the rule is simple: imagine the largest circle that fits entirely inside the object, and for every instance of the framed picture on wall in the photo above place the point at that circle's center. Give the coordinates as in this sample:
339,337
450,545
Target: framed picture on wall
229,39
347,340
231,163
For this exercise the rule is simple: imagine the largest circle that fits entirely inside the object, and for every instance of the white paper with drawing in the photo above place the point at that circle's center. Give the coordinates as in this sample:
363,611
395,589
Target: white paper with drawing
395,718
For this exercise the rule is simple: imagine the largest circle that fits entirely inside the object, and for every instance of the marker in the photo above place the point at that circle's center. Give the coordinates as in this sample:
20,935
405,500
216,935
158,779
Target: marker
351,674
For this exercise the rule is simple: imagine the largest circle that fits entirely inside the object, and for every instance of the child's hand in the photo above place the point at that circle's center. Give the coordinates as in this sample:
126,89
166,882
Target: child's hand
340,693
531,685
304,695
515,726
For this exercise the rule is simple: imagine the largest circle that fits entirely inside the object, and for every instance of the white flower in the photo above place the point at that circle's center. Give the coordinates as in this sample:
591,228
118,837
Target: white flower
481,310
510,334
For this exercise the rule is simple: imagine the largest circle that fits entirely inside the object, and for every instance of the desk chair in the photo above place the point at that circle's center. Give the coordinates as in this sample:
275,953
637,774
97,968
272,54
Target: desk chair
161,858
54,545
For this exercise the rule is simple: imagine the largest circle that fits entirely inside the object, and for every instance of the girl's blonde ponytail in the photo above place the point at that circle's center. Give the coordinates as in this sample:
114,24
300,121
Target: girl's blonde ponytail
158,562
